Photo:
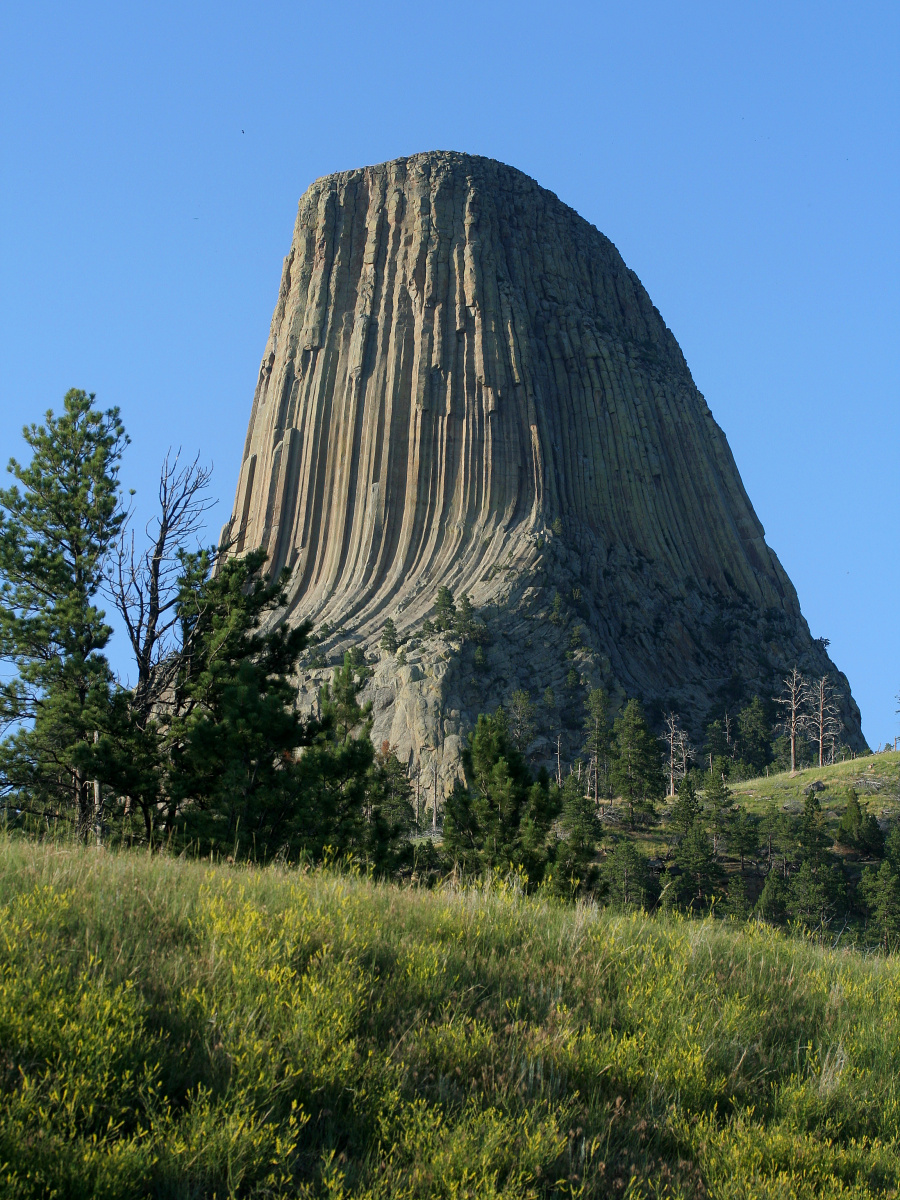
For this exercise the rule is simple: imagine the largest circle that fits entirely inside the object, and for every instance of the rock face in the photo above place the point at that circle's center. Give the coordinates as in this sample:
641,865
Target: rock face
465,385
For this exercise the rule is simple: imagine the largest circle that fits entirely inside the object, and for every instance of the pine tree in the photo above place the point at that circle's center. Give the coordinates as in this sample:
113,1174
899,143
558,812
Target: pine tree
598,744
737,904
521,719
465,617
389,637
718,799
389,815
850,823
333,805
234,729
808,895
626,876
743,835
502,816
701,876
880,891
58,523
445,610
755,734
686,808
771,903
637,769
580,831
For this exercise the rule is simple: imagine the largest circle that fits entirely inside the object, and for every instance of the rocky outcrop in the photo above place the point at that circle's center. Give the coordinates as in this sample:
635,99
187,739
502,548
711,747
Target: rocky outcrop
465,385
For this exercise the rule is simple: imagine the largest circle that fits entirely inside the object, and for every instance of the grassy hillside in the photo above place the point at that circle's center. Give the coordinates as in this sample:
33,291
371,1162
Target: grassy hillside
875,778
175,1029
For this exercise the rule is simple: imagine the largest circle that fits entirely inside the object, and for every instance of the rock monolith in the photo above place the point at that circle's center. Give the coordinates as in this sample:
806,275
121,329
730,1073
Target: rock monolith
465,385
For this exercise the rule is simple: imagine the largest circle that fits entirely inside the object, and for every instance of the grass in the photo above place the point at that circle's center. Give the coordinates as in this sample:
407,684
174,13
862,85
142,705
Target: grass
875,778
179,1029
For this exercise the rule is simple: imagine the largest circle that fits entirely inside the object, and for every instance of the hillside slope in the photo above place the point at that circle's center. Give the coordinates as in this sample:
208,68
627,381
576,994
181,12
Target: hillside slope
170,1028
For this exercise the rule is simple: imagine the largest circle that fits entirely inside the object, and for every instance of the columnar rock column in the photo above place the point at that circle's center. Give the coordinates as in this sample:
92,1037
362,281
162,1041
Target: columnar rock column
465,385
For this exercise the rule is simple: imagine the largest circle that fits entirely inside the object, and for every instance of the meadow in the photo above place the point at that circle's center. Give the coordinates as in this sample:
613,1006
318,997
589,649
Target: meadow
874,777
174,1028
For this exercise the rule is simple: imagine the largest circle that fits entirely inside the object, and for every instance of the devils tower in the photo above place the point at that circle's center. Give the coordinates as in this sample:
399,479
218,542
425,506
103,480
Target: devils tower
464,385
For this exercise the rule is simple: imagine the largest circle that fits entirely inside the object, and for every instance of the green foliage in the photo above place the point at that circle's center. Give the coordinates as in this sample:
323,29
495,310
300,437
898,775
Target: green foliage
718,800
743,835
522,714
626,876
445,610
389,813
717,744
686,809
701,876
637,770
502,816
236,731
575,867
178,1029
880,891
598,745
811,893
57,524
389,637
755,734
771,905
859,830
737,904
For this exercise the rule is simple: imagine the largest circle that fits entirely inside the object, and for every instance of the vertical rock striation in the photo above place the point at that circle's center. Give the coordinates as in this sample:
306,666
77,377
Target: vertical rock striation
465,385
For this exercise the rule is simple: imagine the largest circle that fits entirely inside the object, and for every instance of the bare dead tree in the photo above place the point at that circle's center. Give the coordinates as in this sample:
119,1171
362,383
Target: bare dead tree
823,714
143,583
678,746
792,702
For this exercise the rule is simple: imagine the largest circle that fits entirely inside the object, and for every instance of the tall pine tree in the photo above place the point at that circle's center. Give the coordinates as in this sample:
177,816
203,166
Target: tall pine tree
58,523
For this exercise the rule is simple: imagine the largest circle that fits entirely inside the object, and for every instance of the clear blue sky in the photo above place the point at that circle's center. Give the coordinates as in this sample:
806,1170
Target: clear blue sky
744,157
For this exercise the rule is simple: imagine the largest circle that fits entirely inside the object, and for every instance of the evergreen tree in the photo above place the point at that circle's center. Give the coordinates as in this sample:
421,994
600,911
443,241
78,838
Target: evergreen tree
598,745
815,890
235,728
389,637
389,815
809,895
502,816
880,892
755,733
580,830
737,905
626,876
637,769
686,809
465,617
701,876
521,719
333,809
718,799
771,903
813,839
445,610
58,523
859,830
777,839
743,835
850,823
716,742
